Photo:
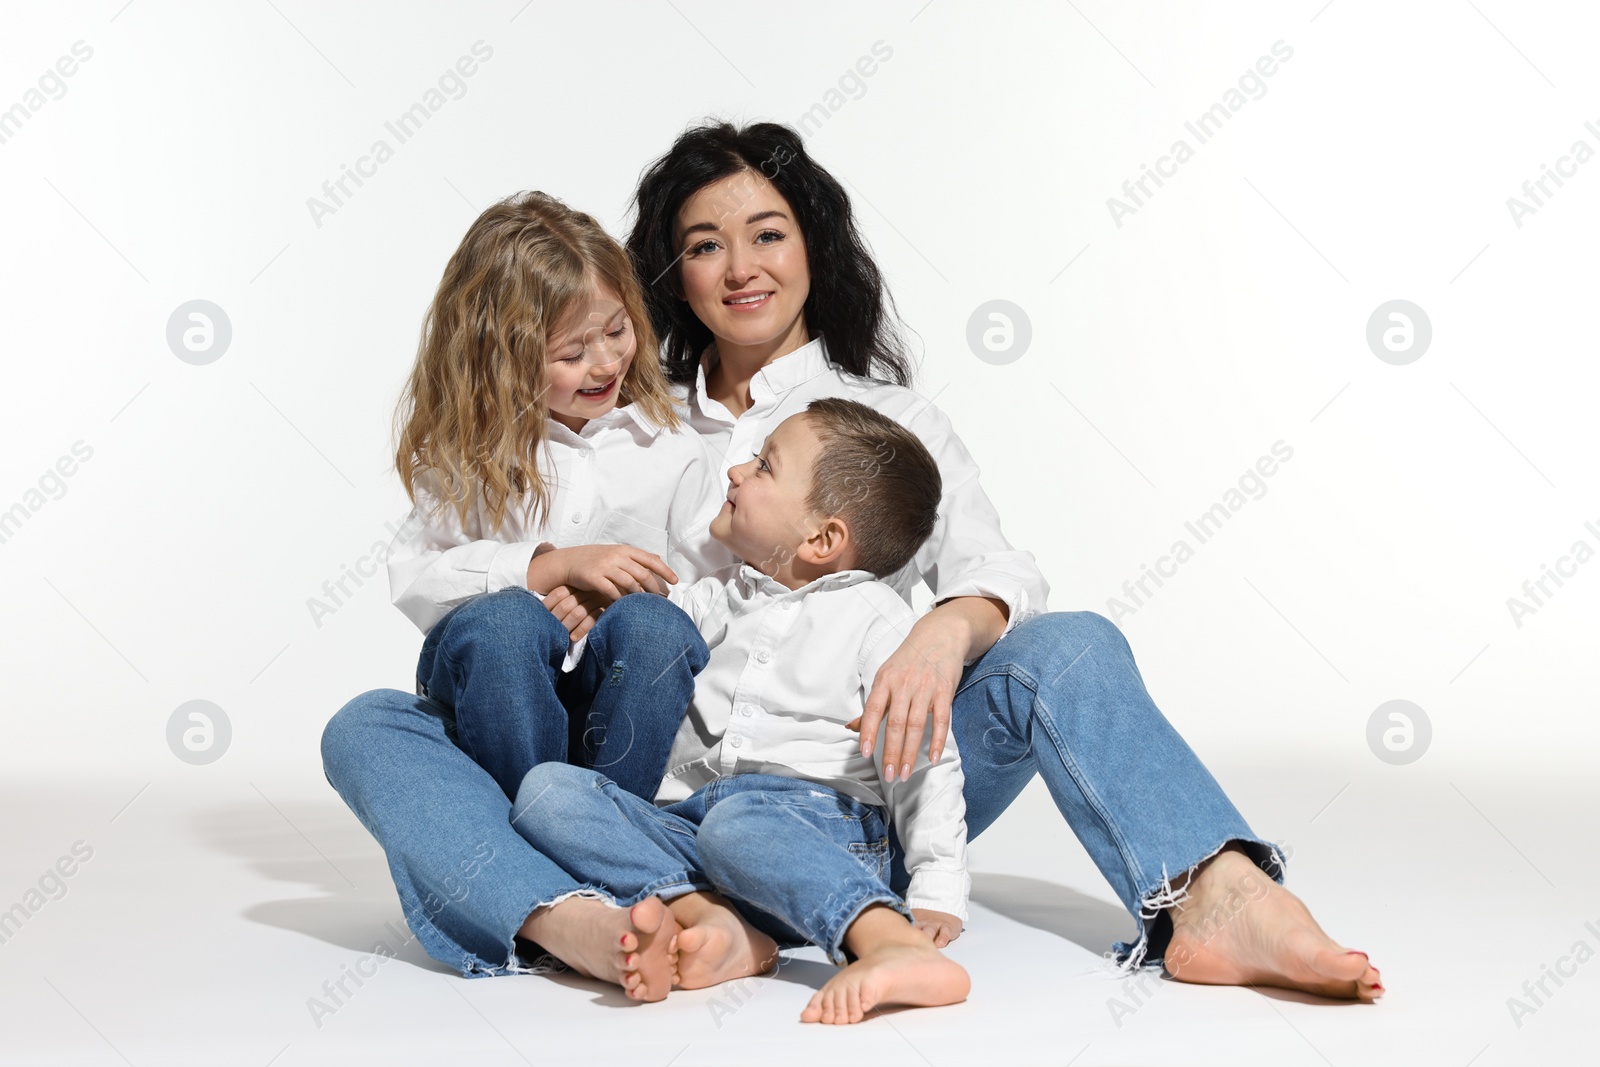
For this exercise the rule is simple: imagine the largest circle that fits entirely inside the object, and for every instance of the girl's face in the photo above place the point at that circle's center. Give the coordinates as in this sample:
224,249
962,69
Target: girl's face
743,267
589,354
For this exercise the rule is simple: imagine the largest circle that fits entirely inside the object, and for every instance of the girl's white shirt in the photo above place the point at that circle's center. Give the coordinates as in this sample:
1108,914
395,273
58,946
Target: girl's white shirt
621,480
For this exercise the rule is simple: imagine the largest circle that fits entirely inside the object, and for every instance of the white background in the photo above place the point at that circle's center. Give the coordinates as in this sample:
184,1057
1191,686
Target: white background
1227,314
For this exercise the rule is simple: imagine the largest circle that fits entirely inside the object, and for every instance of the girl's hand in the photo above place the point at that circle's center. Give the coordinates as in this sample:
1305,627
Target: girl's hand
613,571
576,609
940,927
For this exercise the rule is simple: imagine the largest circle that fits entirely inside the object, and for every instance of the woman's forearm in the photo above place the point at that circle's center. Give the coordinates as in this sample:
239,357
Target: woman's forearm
975,622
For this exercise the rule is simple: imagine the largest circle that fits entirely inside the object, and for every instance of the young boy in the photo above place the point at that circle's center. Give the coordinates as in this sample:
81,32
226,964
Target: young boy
767,797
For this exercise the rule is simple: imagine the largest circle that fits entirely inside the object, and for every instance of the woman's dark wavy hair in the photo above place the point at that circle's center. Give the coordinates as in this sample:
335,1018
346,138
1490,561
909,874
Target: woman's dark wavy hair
848,304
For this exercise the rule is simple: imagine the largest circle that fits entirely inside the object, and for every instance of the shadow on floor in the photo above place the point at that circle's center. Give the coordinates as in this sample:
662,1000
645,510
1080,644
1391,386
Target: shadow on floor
321,846
1055,909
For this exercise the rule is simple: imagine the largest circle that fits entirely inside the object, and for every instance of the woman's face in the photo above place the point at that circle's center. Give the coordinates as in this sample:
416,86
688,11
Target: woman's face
743,266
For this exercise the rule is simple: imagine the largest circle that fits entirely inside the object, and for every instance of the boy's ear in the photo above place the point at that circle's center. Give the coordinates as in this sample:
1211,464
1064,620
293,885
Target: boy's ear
828,544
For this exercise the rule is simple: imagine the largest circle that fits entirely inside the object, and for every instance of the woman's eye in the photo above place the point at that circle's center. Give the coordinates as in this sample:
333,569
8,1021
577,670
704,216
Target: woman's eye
764,234
702,248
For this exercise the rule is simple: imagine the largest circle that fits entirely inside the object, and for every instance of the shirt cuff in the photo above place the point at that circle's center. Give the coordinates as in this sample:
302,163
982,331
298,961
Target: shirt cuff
944,891
574,654
1018,609
509,568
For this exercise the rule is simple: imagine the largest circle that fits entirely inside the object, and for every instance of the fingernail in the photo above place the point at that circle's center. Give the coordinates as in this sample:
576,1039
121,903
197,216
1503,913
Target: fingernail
1354,952
888,773
905,770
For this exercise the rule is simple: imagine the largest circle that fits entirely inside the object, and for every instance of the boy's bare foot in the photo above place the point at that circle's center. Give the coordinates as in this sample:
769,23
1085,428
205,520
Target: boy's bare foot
716,944
896,964
635,948
1239,927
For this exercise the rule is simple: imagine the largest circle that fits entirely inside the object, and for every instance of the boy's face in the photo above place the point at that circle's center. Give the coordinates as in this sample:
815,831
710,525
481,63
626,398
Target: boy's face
765,518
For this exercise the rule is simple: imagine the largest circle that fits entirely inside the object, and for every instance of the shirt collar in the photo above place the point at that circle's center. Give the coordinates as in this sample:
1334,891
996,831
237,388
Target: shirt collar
620,415
755,583
782,375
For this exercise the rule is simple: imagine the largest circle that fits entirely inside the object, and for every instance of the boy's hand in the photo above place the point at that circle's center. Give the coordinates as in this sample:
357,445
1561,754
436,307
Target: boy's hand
613,571
941,927
576,609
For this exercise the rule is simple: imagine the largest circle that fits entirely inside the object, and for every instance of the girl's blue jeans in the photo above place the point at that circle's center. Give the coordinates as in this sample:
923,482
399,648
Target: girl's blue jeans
801,861
1059,696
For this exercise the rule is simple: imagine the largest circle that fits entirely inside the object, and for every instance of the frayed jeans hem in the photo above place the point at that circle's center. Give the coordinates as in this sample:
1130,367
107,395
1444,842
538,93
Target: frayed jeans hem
1149,949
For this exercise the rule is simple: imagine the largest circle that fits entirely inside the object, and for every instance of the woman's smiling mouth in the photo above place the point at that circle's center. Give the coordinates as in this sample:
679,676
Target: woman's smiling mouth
746,301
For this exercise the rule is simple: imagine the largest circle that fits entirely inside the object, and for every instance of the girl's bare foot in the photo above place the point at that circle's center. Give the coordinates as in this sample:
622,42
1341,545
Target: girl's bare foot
716,944
635,948
1239,927
896,964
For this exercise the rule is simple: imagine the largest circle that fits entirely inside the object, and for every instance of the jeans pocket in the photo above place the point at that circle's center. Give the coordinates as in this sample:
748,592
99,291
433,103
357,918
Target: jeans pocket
873,855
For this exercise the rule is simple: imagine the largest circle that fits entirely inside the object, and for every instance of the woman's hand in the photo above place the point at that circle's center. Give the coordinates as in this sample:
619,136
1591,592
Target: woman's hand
576,609
941,927
920,680
613,571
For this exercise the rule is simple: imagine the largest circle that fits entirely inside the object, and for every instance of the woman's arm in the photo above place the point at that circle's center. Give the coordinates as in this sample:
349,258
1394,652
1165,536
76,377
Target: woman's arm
921,677
983,586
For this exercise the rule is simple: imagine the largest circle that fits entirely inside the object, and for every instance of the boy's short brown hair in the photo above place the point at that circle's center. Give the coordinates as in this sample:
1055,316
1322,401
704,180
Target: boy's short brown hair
877,476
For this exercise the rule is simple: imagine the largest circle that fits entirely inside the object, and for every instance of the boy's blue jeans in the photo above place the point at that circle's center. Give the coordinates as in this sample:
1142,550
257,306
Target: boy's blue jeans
1059,696
801,860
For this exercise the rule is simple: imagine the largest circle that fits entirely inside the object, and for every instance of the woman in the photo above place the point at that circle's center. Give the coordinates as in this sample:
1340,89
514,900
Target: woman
729,223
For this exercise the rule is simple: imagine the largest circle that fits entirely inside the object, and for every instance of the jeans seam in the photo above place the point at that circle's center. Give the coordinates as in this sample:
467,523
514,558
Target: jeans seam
1017,674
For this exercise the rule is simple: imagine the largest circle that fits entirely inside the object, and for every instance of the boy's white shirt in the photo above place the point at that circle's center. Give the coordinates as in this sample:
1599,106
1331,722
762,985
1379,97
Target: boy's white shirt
788,669
622,480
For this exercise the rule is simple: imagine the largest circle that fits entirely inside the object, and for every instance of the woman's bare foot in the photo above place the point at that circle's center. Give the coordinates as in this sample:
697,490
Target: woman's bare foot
635,948
716,944
896,964
1239,927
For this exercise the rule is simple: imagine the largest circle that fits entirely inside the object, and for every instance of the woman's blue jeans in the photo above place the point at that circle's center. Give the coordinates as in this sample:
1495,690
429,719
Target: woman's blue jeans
1059,696
801,860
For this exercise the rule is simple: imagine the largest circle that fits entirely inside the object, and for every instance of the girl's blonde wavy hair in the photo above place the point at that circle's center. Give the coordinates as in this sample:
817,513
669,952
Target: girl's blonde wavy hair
473,414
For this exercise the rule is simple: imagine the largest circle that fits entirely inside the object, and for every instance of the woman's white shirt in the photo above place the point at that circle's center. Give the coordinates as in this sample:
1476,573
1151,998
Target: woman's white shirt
967,554
621,480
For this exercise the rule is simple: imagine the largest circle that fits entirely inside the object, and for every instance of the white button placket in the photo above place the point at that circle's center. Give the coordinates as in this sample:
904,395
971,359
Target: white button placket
583,498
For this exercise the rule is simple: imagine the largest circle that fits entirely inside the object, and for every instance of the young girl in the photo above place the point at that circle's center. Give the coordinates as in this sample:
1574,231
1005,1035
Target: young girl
543,454
541,448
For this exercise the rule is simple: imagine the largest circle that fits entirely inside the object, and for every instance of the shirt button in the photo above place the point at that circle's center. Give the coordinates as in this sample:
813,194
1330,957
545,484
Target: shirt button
748,710
737,741
763,656
576,517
